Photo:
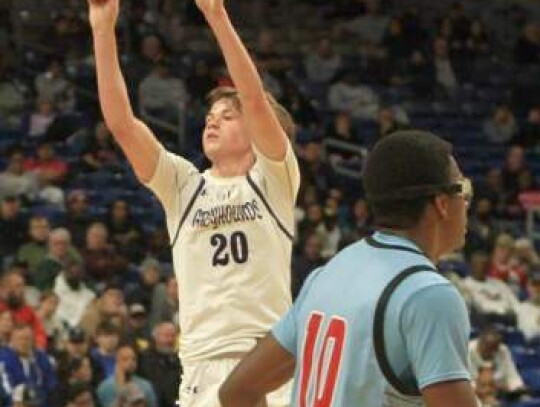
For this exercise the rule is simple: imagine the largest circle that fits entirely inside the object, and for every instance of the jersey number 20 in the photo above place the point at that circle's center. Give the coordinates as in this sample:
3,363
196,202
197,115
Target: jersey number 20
317,386
235,246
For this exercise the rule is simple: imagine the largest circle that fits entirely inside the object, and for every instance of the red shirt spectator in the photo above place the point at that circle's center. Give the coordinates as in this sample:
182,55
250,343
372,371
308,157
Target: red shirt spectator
504,265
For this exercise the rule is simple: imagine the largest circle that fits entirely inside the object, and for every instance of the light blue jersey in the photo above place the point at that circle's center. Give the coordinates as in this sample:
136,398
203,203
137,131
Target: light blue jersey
329,330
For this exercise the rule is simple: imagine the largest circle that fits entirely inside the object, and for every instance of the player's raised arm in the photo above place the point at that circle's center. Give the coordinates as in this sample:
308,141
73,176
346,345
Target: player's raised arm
261,122
135,138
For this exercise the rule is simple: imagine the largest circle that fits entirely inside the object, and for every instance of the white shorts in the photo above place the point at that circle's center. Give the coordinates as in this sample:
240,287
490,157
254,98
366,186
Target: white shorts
201,382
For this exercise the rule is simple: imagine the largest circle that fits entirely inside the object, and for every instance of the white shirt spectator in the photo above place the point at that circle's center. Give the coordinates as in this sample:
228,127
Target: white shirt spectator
505,372
360,101
491,296
322,64
528,315
161,91
73,303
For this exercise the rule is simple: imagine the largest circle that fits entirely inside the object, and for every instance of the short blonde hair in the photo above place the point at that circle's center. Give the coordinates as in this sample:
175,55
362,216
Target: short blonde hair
229,93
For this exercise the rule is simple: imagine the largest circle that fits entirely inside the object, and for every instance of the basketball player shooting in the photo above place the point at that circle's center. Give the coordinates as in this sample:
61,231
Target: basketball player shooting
230,226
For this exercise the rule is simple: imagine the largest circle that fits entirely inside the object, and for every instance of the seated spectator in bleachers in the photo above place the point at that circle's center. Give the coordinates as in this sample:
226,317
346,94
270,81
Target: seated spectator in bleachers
489,351
107,339
124,231
314,169
342,130
144,290
445,73
332,233
162,95
103,262
12,299
12,96
527,47
347,95
100,152
73,293
371,25
162,354
24,364
515,165
492,300
124,375
492,188
53,85
13,227
529,137
6,326
388,123
312,223
165,306
478,42
131,396
152,51
420,74
38,122
526,255
505,266
486,388
528,312
502,126
137,330
271,83
267,55
397,45
78,218
158,246
482,228
308,260
109,307
15,180
78,395
300,106
322,63
33,252
360,222
48,167
200,82
60,252
24,396
46,312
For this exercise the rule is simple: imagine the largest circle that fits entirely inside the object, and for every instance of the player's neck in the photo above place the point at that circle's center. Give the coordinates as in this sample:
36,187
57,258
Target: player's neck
232,168
425,242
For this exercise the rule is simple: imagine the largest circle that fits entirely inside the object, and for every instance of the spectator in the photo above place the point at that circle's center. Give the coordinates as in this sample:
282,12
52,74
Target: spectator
103,354
152,51
12,96
101,153
125,234
482,229
109,307
515,165
492,300
493,189
78,217
529,136
486,388
49,169
12,289
526,255
148,285
60,252
342,131
126,365
79,395
528,312
346,95
161,366
504,265
165,307
24,364
444,70
73,293
388,123
421,74
137,331
34,251
527,47
489,351
39,121
371,26
25,396
268,56
103,262
502,127
159,245
360,224
53,85
322,63
306,262
15,180
12,227
201,82
46,312
6,327
395,42
478,42
314,168
162,95
332,233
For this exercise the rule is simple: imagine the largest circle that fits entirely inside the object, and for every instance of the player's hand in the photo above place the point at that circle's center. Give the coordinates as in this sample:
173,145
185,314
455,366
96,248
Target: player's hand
210,7
103,13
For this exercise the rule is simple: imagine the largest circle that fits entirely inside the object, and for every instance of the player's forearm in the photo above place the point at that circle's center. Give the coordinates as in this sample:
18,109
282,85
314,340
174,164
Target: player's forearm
113,94
241,68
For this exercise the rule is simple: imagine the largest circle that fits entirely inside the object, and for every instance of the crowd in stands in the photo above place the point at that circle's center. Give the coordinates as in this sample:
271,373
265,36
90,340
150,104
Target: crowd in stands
88,297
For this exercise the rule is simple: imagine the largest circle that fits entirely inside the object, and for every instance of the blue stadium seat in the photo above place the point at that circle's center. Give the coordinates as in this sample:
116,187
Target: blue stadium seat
527,403
531,378
525,358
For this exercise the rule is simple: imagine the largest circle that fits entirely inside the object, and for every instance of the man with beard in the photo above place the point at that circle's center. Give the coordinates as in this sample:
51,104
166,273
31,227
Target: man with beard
73,293
12,299
160,364
124,375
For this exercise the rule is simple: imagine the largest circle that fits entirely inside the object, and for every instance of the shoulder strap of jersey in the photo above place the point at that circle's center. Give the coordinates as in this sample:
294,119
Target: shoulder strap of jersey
188,210
378,331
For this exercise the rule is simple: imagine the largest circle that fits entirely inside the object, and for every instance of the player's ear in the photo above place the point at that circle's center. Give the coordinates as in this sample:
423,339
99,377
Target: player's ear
441,206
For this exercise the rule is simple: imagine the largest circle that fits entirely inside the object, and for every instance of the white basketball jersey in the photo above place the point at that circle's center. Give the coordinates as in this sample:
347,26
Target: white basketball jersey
231,240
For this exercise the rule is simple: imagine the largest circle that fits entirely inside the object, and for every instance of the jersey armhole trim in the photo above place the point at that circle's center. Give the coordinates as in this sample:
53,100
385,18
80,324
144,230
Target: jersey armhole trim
378,331
378,245
259,193
188,210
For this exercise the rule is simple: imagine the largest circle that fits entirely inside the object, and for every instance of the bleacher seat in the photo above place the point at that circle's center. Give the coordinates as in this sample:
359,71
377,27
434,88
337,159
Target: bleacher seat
535,402
525,358
531,378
